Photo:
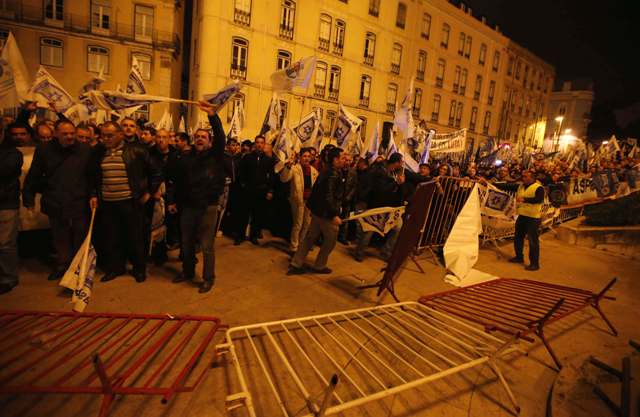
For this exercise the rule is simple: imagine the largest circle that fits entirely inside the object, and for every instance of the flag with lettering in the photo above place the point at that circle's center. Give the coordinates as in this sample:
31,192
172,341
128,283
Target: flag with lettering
225,94
80,275
271,121
403,118
47,90
297,74
379,220
306,129
345,125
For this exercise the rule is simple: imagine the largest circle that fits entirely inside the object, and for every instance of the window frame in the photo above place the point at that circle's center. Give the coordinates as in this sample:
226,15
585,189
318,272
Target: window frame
143,37
320,89
236,68
391,106
482,56
426,25
101,4
284,56
287,22
104,52
435,111
147,58
365,87
326,21
369,50
339,36
396,51
445,36
401,15
44,40
421,65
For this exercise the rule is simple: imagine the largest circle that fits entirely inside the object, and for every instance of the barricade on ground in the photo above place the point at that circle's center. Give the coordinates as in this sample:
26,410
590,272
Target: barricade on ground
518,307
103,353
325,364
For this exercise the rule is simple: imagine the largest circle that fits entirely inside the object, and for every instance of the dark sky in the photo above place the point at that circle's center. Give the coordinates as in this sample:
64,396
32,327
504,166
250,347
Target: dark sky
599,40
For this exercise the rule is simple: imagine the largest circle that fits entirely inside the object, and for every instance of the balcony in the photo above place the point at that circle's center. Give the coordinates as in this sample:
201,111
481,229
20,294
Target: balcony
16,12
476,95
472,127
425,36
323,44
463,88
239,72
333,95
395,68
416,112
458,122
490,100
485,130
400,24
455,88
338,48
286,32
368,60
391,108
439,82
318,91
374,10
451,121
242,17
420,75
364,101
434,117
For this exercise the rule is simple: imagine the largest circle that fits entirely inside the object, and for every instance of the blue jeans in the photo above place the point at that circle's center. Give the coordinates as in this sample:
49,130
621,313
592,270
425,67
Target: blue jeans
9,220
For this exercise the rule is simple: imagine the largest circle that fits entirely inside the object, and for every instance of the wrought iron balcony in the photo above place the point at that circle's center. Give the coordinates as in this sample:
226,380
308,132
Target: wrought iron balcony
420,75
416,112
241,17
490,100
239,72
391,108
364,101
439,82
395,68
338,48
374,10
462,89
455,88
323,44
368,59
472,127
476,95
451,120
434,117
286,32
333,95
458,121
318,91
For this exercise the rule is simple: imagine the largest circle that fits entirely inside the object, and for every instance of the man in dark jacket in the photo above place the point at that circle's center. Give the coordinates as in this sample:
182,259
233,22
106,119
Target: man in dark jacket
325,204
10,170
256,178
124,177
194,190
59,172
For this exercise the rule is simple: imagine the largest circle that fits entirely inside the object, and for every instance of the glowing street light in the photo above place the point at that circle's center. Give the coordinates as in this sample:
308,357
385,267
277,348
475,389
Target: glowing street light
559,119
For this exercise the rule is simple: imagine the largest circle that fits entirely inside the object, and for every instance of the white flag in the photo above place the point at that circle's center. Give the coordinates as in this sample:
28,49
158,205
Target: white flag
345,125
112,100
403,118
297,74
271,120
307,128
379,220
164,122
225,94
318,131
370,149
14,78
79,277
135,84
181,126
48,90
235,130
391,147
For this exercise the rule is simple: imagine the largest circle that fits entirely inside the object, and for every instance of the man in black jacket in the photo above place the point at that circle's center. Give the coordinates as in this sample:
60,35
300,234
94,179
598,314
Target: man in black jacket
325,204
124,177
10,170
59,172
256,178
194,190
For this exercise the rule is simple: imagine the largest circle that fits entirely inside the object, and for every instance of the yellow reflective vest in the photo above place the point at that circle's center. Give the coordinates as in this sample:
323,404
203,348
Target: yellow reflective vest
528,209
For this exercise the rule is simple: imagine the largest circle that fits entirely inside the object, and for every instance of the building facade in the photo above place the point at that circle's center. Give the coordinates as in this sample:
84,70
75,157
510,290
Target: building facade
75,39
367,52
570,109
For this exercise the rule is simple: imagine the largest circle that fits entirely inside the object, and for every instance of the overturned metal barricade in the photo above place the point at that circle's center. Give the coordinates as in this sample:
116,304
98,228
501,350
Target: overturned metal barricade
518,307
103,353
325,364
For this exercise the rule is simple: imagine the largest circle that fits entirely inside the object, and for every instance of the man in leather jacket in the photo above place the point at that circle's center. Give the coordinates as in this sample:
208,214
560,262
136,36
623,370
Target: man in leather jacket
123,178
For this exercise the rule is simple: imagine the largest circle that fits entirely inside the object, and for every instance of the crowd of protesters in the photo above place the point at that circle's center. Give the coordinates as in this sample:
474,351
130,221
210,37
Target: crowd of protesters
208,183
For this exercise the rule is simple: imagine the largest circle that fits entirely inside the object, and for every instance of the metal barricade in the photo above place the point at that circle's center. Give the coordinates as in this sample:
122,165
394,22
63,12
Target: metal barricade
103,353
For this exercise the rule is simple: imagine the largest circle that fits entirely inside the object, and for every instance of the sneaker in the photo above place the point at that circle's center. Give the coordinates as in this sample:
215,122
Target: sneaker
516,260
294,270
324,271
532,267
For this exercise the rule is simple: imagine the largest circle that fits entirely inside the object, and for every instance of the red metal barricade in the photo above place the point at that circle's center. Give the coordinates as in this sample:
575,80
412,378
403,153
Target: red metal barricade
518,307
103,353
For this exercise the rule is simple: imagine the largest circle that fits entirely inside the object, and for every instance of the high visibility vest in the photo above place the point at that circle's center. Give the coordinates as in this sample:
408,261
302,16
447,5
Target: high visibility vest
528,209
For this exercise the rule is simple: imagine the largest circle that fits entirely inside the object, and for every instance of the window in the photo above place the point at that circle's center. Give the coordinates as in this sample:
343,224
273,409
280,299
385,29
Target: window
51,52
239,58
417,103
446,31
236,102
331,118
334,82
338,40
363,128
284,107
478,88
242,12
142,112
463,81
283,60
396,58
547,84
369,48
4,35
492,91
97,59
401,16
321,79
461,44
392,97
426,25
422,64
435,113
540,77
374,7
459,114
510,66
54,10
526,76
325,32
144,65
518,68
440,73
319,111
483,54
144,23
487,123
365,90
496,61
474,118
100,15
467,47
456,79
452,113
287,19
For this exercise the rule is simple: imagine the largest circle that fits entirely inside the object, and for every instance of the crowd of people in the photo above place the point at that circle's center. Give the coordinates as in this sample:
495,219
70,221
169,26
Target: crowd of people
212,183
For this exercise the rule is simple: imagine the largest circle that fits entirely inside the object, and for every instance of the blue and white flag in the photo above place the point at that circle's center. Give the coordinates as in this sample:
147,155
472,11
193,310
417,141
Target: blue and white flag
307,128
392,147
50,91
271,121
14,77
346,124
403,119
424,157
135,84
297,74
237,121
111,100
379,220
225,94
80,275
370,148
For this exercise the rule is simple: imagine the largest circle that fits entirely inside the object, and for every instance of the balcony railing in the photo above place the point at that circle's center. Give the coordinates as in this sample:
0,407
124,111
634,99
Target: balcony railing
286,32
490,100
323,44
338,48
364,101
485,130
374,10
242,17
416,112
368,59
425,35
451,120
472,127
434,117
319,90
16,11
333,95
239,72
391,108
458,121
420,75
476,95
400,24
462,89
395,68
439,82
455,88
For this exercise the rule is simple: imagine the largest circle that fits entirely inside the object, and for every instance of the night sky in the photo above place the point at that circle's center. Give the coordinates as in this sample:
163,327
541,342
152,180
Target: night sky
582,39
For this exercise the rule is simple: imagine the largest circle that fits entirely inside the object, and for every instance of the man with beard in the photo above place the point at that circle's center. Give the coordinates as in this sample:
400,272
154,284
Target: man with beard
58,171
194,190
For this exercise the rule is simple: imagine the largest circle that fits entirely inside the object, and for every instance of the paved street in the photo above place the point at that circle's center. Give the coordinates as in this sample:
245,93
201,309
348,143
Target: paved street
251,287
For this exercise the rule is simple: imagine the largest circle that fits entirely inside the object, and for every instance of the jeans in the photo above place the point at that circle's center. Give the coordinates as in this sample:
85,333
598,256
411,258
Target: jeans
9,220
365,237
199,225
329,232
301,217
68,235
529,227
123,228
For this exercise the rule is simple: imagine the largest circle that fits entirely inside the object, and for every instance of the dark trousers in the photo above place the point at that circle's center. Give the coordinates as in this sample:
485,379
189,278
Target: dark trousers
68,235
9,221
254,205
123,227
529,227
198,225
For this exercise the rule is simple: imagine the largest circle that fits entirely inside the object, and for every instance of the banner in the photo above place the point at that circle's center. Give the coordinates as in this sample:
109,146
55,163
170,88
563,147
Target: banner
346,123
271,121
605,183
14,78
135,84
370,148
496,202
237,121
225,94
449,142
297,74
48,88
80,275
403,118
379,220
307,128
112,100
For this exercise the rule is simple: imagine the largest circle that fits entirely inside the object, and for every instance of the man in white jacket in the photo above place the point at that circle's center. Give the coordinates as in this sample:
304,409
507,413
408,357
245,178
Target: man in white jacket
302,177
